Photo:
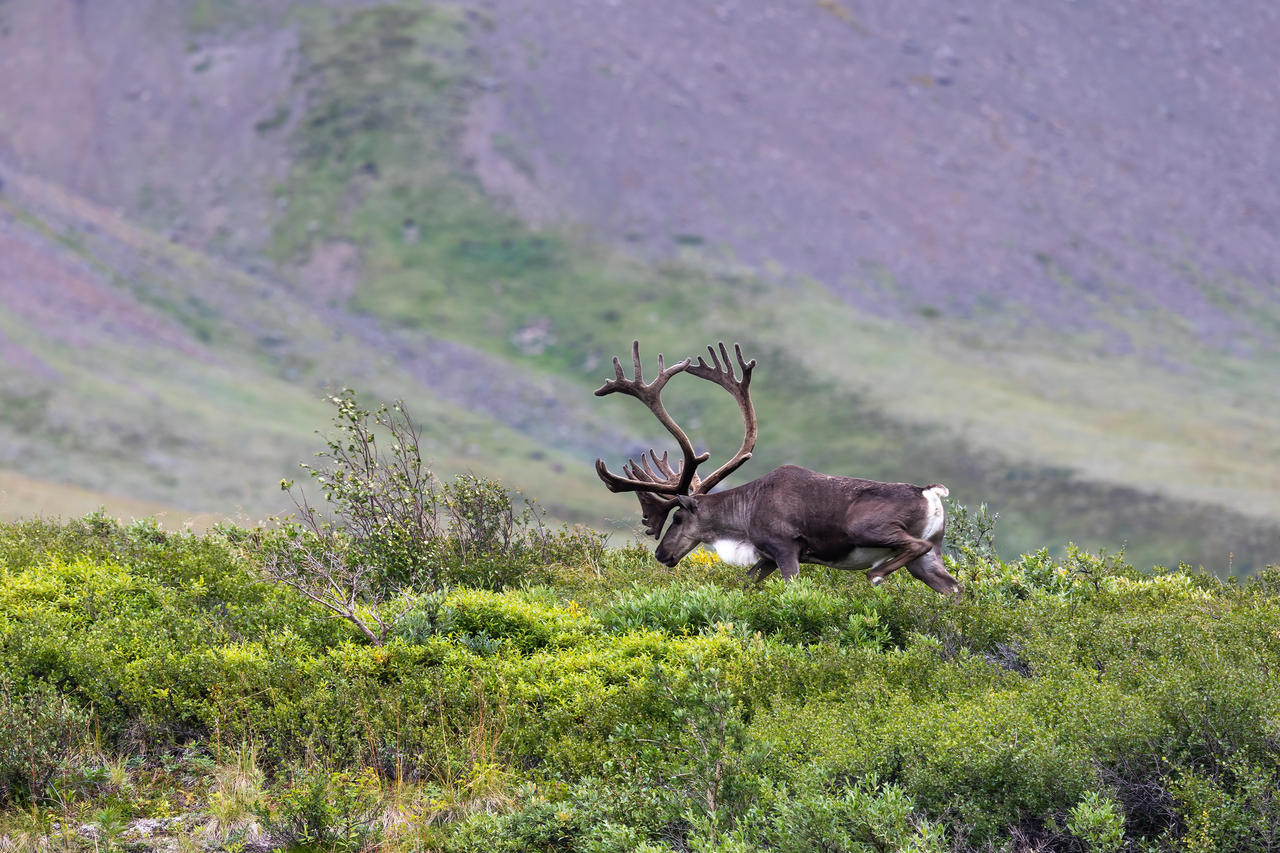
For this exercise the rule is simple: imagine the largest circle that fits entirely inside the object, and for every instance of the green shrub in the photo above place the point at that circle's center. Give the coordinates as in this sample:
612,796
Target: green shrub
392,527
688,748
1062,695
865,817
1266,583
135,641
970,535
40,728
675,609
514,618
572,825
1238,810
961,737
796,612
380,493
802,612
424,617
1074,577
538,826
1098,820
331,810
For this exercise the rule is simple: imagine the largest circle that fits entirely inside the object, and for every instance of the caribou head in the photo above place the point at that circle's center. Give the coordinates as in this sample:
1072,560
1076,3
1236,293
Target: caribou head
660,486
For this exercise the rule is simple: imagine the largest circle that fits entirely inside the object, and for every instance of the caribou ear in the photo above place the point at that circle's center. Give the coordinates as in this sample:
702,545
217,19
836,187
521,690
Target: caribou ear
688,502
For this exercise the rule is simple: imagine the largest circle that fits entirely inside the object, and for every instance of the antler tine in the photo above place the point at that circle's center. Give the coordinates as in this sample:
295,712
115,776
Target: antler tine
723,375
665,472
663,465
638,477
653,507
636,386
653,512
650,395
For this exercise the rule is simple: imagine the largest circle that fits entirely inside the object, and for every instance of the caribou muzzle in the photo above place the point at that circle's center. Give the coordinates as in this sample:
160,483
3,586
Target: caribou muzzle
669,554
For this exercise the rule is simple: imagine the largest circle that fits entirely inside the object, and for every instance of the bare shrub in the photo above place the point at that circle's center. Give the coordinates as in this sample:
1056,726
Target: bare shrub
391,528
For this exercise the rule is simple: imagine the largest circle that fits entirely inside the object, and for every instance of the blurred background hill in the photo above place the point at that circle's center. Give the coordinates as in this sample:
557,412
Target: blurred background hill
1029,250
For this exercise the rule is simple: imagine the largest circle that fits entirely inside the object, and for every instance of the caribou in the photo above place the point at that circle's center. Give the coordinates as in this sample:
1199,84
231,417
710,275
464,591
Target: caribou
791,515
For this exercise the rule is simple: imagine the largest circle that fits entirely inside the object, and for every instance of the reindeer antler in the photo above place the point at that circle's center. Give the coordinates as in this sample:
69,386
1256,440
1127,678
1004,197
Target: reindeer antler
651,483
740,389
650,395
654,507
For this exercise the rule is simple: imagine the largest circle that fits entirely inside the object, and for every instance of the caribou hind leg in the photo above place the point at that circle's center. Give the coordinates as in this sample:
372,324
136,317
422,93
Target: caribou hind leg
912,549
929,569
877,574
923,560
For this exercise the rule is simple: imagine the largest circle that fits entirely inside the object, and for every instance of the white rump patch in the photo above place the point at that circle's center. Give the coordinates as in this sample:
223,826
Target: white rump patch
934,514
736,552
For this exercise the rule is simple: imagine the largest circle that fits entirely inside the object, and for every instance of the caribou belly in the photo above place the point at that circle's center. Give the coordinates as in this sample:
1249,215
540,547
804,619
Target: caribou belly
737,552
861,558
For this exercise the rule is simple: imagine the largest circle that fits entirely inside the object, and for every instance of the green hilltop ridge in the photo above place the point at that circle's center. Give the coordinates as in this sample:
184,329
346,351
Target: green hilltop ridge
388,267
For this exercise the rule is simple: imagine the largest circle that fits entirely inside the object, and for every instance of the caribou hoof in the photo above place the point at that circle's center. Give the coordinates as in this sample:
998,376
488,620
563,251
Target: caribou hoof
876,581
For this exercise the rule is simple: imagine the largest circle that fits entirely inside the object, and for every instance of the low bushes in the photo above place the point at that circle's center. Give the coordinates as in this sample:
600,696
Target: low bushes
1068,702
39,730
388,525
796,613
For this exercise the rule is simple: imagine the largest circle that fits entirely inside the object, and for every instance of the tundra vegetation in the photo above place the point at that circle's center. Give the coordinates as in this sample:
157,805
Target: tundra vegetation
491,684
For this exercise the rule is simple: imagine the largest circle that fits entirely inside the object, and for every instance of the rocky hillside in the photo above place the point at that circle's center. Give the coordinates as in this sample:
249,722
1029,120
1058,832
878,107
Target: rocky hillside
1109,170
1030,252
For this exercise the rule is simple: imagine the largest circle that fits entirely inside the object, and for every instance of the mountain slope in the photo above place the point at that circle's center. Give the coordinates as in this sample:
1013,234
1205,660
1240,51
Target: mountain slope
382,203
150,370
1101,169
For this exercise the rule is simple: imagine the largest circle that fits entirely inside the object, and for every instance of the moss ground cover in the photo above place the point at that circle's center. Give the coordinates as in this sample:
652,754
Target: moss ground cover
158,690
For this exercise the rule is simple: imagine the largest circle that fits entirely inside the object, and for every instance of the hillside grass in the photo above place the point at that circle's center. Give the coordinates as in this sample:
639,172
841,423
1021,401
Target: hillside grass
1068,445
19,493
981,403
219,397
158,690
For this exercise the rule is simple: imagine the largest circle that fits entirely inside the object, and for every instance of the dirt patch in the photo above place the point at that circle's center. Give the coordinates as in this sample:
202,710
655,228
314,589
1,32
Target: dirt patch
332,273
55,295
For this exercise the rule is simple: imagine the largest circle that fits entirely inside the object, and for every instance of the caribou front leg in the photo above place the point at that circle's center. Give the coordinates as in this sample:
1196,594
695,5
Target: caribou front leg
761,570
785,555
